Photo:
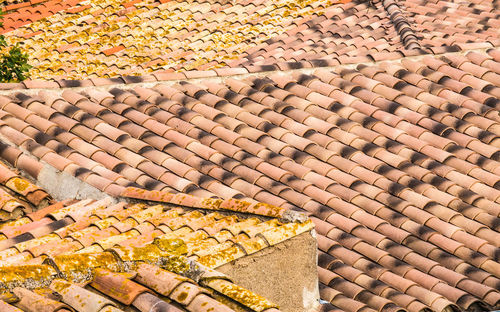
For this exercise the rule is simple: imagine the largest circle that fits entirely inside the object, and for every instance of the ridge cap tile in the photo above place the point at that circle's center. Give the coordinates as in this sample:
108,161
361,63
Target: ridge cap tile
231,204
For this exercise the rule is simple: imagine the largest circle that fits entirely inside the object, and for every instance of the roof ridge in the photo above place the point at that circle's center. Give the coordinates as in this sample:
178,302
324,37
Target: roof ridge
401,24
239,72
232,204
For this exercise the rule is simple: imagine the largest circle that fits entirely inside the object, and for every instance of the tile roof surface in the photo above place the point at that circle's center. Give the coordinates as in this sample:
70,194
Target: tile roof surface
21,13
108,38
18,195
105,256
358,32
391,150
73,40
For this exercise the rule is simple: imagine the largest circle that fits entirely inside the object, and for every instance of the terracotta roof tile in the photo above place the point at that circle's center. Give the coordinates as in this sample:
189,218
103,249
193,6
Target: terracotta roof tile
117,286
70,292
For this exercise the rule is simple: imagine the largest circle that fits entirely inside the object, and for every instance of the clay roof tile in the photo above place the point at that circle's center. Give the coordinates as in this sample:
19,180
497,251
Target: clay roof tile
117,286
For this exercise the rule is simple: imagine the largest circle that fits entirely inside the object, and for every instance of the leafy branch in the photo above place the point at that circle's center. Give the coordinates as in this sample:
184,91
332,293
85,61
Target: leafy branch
13,62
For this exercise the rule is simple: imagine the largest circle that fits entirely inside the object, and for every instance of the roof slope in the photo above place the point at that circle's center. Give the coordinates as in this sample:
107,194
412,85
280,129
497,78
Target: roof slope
133,253
109,38
358,32
397,164
120,38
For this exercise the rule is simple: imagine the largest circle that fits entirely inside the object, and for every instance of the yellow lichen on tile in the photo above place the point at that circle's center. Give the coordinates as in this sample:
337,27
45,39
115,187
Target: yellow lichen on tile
14,224
219,258
20,185
90,249
16,275
79,266
173,246
276,235
252,245
242,295
146,253
36,242
174,34
4,254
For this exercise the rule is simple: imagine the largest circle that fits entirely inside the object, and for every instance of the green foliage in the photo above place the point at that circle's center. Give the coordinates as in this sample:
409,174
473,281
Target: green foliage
13,62
2,38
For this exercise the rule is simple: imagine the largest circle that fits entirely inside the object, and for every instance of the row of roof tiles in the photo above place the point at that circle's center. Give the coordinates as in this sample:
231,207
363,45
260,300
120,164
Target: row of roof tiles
396,163
68,245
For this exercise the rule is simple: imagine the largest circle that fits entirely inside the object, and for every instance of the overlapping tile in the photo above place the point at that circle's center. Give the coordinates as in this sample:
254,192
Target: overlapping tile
22,13
103,256
396,163
18,196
